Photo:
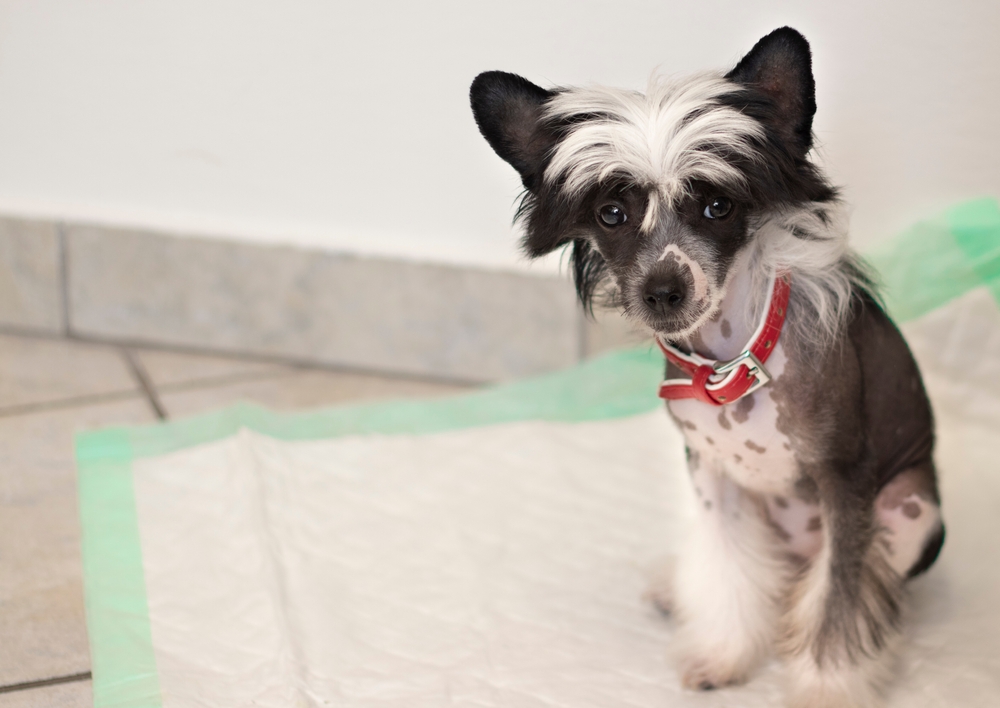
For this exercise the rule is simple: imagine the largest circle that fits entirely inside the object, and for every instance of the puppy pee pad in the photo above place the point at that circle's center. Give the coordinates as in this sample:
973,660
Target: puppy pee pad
491,549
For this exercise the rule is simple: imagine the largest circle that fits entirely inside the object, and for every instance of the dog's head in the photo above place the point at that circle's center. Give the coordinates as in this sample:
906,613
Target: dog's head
660,191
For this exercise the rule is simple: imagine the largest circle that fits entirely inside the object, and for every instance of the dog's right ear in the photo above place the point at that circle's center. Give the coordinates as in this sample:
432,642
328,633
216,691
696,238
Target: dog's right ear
508,110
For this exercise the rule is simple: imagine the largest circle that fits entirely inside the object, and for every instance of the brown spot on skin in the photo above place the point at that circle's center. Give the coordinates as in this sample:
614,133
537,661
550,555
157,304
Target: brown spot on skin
786,446
738,458
698,345
689,425
781,502
727,329
815,524
694,459
708,505
709,440
751,445
780,531
743,407
911,510
724,421
806,490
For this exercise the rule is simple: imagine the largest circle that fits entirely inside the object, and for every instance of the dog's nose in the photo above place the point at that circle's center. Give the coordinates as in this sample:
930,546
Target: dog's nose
662,296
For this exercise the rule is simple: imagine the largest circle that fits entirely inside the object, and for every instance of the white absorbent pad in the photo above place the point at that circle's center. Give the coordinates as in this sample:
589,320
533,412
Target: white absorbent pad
488,550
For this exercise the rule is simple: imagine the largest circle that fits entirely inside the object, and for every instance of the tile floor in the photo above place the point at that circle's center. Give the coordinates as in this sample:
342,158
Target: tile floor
51,388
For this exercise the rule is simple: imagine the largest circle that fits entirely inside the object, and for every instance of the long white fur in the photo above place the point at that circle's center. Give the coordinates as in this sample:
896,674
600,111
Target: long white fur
823,289
728,585
657,139
839,682
858,685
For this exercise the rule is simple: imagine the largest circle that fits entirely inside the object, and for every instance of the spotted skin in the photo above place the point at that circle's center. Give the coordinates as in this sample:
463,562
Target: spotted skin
910,516
743,440
755,443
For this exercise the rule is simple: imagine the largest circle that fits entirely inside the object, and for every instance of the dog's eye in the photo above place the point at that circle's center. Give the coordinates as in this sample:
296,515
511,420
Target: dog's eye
612,215
718,208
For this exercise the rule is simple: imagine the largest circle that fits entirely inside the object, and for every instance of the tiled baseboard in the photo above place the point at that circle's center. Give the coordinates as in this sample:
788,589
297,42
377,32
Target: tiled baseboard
31,278
376,314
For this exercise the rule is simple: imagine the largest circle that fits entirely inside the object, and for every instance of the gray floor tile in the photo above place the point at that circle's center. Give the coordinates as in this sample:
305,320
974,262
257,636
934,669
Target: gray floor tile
42,627
168,369
301,389
36,370
66,695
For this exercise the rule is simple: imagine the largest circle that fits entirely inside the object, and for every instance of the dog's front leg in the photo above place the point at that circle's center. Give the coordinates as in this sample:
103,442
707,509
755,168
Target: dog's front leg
841,626
728,585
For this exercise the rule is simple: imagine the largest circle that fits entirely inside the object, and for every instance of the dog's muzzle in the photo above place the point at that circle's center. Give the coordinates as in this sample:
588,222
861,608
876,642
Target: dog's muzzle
666,290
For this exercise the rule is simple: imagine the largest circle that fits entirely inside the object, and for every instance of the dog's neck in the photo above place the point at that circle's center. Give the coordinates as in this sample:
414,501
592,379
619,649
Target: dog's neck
725,336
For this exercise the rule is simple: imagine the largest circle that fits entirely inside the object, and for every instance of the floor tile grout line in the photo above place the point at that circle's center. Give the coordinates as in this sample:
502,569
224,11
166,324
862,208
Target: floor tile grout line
205,384
41,683
142,377
211,382
64,278
90,399
256,357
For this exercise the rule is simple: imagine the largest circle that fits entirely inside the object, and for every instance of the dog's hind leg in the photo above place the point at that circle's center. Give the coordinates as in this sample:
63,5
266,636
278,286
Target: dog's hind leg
909,511
728,585
842,623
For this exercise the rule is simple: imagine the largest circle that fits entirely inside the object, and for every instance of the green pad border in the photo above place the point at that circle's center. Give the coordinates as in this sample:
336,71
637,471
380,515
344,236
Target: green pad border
924,268
940,259
121,647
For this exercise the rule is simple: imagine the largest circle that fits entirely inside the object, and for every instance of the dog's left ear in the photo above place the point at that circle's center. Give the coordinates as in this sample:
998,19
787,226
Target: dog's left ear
780,67
508,111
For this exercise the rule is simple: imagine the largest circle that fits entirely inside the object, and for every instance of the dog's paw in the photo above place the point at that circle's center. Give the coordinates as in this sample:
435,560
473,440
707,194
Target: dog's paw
706,672
844,684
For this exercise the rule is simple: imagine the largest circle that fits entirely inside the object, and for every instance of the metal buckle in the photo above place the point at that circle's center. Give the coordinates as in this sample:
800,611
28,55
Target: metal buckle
754,368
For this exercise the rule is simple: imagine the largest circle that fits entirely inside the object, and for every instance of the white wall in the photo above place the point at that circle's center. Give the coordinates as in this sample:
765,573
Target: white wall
346,124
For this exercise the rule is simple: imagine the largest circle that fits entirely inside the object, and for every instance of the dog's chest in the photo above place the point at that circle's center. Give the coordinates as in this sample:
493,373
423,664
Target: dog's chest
741,440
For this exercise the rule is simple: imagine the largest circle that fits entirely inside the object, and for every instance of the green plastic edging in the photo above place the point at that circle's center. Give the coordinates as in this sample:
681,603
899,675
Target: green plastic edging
124,666
924,268
940,259
620,384
121,644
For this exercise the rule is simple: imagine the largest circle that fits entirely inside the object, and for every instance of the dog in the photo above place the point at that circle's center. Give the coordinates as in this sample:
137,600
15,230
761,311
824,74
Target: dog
696,209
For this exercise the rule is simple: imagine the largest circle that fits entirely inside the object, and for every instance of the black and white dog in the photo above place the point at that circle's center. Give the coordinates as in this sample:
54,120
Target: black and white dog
696,209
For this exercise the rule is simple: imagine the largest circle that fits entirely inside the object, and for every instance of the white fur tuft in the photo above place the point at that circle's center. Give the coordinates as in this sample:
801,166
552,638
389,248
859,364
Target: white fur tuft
658,140
811,243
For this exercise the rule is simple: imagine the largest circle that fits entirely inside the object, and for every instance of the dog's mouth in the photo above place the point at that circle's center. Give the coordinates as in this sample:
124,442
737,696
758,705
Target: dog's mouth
679,325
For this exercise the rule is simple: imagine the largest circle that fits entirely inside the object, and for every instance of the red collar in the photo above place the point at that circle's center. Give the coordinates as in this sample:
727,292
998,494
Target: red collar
722,382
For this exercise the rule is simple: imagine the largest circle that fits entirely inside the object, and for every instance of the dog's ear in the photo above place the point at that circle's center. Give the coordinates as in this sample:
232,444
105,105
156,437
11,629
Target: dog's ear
508,110
780,67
